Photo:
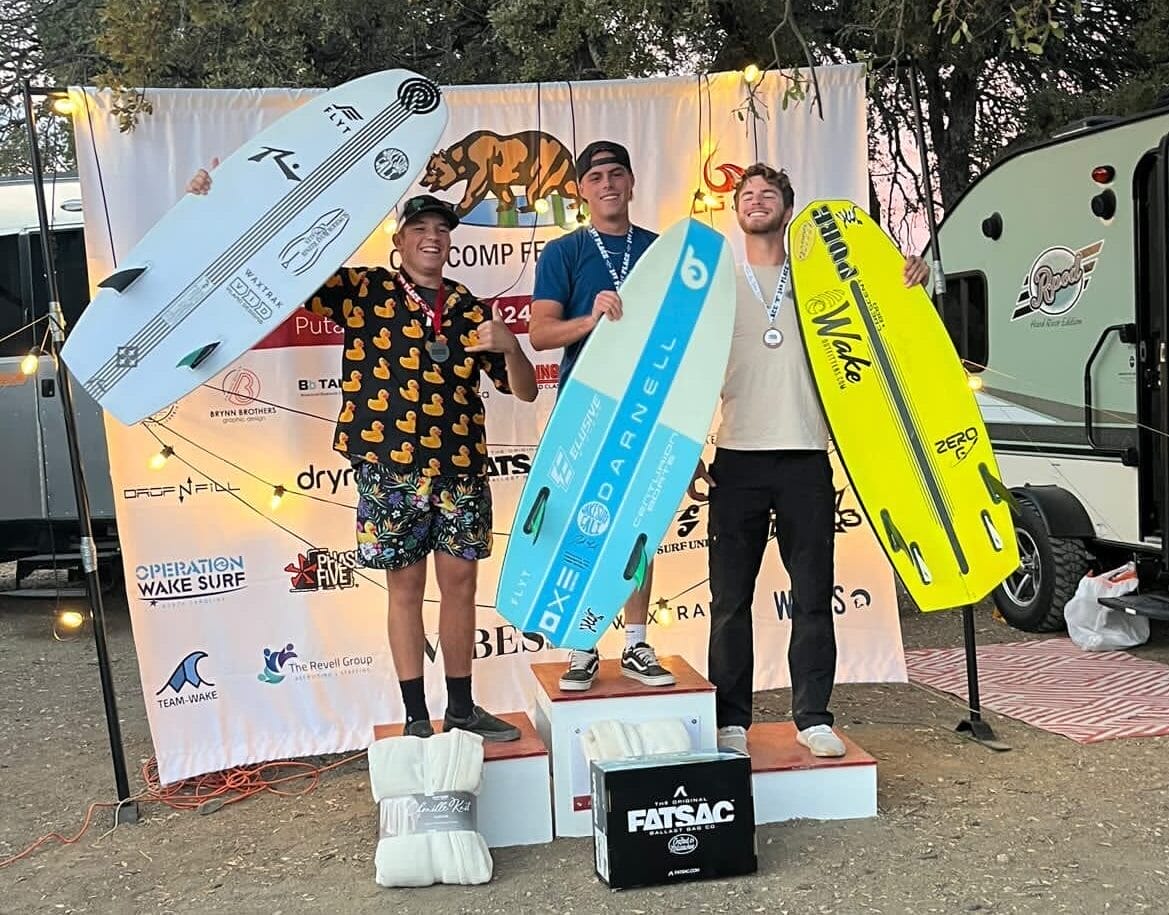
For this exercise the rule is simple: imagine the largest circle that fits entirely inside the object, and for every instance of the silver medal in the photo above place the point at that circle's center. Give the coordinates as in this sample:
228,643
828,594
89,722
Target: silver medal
772,337
438,350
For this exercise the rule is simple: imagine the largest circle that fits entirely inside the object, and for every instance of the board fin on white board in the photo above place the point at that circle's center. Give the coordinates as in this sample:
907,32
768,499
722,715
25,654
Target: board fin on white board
535,519
196,357
638,564
121,280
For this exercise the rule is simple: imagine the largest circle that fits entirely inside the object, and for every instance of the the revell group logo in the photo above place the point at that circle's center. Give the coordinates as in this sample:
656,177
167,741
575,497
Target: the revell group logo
286,662
274,661
186,581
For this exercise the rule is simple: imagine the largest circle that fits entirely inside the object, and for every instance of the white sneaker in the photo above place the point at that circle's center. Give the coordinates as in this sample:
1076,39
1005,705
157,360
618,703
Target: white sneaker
733,737
821,740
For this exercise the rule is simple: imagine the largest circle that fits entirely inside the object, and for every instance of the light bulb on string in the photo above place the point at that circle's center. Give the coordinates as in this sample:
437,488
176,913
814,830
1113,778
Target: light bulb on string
751,74
67,624
390,226
542,205
63,105
158,460
975,382
277,497
29,364
709,201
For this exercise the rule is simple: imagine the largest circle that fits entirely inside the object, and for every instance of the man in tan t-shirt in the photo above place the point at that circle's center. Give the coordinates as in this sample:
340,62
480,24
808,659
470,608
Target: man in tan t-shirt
772,456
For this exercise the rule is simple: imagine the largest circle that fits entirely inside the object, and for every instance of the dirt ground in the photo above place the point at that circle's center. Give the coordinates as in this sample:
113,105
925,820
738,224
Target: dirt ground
1050,826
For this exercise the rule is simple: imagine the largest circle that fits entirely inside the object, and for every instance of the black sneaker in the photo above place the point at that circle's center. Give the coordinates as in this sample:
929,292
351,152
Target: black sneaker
582,670
641,664
482,723
418,728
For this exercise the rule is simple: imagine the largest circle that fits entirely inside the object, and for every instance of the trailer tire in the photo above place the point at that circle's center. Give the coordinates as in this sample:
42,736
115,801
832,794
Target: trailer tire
1032,599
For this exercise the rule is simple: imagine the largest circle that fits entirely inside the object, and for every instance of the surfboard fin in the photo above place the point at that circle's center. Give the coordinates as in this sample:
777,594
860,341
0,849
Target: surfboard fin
991,531
196,357
912,550
637,565
121,280
996,488
535,519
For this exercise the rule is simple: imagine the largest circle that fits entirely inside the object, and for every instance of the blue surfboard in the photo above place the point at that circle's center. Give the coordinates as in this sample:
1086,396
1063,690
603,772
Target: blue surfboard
622,442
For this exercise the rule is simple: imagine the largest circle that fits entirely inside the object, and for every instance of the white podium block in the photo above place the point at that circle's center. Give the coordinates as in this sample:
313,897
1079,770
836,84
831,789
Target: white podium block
562,717
789,783
515,802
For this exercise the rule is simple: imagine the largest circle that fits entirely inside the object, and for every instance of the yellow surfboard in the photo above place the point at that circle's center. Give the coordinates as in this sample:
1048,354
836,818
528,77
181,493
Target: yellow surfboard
900,408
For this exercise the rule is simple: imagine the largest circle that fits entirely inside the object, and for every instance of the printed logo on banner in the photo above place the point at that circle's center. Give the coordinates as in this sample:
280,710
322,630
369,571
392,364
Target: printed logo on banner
322,569
286,664
317,387
492,165
843,600
187,684
714,195
509,465
324,479
183,493
274,661
547,375
241,389
191,581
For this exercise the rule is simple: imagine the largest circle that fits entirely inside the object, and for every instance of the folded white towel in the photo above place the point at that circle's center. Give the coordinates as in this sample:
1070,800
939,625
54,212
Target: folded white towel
450,761
424,787
604,740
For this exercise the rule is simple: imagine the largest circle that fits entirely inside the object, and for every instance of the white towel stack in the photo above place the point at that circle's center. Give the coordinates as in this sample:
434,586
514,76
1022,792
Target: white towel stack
605,740
400,770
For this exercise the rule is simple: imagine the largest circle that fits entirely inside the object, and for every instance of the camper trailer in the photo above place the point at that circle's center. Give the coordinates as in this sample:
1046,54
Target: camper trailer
1056,263
38,511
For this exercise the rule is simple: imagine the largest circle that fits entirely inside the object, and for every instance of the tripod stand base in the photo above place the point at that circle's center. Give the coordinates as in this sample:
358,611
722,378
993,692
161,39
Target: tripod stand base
982,733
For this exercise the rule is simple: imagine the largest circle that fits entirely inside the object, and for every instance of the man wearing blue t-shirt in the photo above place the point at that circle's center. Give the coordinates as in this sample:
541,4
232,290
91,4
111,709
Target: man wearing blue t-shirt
577,278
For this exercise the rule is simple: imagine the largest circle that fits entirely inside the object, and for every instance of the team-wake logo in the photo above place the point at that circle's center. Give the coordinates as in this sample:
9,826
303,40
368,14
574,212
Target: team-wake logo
187,676
321,569
274,661
186,581
1057,280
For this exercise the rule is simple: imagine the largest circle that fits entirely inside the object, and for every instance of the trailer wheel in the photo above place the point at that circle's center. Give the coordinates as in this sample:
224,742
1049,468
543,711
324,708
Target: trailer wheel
1033,598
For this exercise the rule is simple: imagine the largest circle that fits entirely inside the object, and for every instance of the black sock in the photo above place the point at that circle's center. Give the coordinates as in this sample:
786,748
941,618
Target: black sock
414,695
458,697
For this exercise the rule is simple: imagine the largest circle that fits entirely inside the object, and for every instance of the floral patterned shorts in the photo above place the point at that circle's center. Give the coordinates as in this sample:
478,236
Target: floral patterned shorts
401,517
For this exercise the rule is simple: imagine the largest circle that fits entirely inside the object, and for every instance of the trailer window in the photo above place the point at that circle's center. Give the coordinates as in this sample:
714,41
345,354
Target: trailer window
964,314
13,313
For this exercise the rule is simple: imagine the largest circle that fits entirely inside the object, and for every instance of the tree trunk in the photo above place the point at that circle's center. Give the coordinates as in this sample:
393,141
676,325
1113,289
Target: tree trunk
951,114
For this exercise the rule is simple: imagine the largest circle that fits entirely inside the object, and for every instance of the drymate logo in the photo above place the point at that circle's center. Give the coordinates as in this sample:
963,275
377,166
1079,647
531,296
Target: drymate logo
325,479
274,661
183,492
1057,280
322,569
187,684
286,663
186,581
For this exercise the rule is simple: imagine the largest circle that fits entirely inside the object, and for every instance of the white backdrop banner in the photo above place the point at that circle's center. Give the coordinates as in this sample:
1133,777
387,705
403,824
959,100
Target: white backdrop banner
257,635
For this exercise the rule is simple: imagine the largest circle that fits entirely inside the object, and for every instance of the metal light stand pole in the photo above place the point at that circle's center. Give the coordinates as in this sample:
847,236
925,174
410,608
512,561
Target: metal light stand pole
127,811
978,729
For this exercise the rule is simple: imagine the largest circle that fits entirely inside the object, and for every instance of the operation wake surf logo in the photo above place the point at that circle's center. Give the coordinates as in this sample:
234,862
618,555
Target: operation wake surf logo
181,582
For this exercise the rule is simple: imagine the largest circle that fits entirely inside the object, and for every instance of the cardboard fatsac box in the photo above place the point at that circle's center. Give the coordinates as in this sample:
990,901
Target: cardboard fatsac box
672,817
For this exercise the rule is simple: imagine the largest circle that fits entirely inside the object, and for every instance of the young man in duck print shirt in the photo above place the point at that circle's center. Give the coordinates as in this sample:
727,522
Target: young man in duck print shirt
412,423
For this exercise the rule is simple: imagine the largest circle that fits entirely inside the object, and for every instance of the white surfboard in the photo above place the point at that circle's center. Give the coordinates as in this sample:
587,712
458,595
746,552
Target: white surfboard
221,271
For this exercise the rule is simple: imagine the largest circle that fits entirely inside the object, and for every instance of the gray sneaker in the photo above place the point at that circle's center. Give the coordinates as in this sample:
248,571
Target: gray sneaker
582,670
733,737
484,724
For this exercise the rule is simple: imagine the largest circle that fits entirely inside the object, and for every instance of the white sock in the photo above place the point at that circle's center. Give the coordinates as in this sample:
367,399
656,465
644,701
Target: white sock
634,634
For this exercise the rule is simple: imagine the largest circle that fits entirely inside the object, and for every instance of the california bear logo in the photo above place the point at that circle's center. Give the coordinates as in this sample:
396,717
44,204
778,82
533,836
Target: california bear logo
492,165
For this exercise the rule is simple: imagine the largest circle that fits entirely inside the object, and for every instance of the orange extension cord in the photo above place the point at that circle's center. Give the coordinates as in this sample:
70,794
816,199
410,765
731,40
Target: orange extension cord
226,787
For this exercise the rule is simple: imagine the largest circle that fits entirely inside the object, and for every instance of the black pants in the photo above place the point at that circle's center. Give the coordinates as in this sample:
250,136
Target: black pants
797,486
